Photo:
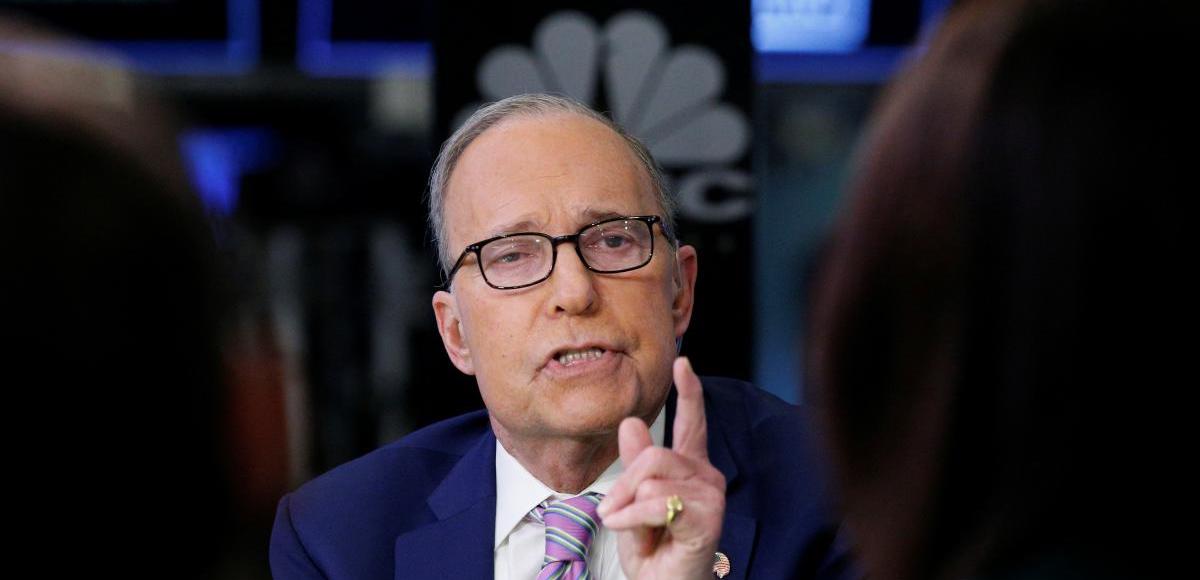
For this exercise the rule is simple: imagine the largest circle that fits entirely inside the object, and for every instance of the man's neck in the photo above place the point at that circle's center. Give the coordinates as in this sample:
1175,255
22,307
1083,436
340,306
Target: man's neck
564,465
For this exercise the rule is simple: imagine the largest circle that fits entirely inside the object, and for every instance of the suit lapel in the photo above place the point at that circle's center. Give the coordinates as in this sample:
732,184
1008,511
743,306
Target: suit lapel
460,543
737,543
738,530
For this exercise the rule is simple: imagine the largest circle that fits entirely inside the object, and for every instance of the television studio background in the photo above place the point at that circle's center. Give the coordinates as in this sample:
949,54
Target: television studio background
310,127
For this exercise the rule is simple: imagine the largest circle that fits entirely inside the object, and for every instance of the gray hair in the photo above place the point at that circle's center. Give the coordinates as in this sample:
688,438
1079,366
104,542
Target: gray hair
529,105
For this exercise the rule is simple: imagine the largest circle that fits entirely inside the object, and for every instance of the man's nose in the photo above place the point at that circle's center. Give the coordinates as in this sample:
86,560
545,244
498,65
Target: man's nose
572,284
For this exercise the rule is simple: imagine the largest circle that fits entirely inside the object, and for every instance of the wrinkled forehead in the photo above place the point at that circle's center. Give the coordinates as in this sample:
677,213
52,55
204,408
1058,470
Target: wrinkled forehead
542,172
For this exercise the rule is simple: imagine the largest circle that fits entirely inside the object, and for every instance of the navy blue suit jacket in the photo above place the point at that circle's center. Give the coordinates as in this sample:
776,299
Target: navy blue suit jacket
424,506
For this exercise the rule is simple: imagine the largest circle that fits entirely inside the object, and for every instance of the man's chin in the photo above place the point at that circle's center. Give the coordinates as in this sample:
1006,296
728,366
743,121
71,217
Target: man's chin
593,404
583,417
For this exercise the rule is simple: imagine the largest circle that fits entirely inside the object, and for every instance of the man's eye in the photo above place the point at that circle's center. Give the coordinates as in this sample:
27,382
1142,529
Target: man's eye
510,257
615,241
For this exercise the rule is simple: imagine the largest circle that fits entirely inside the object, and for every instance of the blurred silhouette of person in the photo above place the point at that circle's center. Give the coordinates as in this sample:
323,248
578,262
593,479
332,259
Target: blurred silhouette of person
110,322
995,341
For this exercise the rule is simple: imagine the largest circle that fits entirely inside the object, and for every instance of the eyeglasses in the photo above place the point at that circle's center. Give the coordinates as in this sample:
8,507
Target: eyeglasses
523,259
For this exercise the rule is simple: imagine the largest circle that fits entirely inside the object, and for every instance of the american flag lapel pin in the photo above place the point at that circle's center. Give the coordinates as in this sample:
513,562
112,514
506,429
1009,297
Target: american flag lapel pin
720,565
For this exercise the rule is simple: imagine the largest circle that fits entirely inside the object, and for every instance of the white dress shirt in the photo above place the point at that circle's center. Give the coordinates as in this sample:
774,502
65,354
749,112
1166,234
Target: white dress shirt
521,540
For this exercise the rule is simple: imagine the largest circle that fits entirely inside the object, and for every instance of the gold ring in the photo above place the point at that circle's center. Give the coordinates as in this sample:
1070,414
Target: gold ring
674,508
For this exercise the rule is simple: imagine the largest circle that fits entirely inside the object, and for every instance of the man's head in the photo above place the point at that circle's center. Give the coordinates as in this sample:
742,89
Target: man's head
571,356
531,105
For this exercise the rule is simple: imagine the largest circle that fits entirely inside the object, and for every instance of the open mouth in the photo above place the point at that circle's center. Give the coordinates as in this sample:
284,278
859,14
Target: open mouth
570,357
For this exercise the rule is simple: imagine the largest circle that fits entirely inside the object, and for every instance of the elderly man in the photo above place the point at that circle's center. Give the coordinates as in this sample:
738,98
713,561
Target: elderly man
566,296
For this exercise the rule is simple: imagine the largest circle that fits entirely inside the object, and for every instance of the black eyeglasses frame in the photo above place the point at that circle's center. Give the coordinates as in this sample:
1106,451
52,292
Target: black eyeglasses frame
477,247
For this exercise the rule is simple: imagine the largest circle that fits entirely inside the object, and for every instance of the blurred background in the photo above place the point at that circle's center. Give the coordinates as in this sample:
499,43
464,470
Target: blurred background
309,127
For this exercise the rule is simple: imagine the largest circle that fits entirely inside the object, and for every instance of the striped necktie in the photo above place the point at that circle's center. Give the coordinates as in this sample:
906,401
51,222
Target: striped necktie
570,526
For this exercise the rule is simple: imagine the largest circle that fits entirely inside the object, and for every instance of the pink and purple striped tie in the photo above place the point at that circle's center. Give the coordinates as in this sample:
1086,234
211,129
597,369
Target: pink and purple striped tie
570,526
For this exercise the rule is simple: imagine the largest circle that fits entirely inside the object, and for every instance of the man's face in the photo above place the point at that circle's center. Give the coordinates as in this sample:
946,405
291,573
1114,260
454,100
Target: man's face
555,174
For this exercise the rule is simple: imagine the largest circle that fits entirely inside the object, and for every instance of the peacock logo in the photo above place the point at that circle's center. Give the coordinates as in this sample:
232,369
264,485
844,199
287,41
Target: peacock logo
669,97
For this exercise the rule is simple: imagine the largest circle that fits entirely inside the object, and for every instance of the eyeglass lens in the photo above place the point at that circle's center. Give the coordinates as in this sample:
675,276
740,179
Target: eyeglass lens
606,247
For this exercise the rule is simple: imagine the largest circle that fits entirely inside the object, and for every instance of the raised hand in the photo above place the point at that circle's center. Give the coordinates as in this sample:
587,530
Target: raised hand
637,505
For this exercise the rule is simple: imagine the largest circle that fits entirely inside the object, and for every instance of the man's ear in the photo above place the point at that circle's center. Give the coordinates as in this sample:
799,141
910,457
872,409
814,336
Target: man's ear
449,323
686,267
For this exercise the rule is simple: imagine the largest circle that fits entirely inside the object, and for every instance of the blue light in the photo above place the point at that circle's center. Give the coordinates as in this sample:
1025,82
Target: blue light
790,61
319,55
814,26
218,158
238,53
866,66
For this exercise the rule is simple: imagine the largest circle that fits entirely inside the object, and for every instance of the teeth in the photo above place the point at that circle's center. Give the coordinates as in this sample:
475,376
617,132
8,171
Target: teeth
570,357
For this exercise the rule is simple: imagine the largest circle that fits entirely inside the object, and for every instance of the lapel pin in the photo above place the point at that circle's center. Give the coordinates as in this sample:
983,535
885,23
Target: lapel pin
720,565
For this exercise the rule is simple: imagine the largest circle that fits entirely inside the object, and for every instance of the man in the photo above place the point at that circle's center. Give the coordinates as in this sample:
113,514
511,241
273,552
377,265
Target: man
566,297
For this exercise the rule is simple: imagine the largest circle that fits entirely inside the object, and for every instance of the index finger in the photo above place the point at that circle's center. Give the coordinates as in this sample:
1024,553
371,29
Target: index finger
691,428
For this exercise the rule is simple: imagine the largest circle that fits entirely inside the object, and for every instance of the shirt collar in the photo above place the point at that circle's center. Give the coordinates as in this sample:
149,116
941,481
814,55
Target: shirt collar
518,491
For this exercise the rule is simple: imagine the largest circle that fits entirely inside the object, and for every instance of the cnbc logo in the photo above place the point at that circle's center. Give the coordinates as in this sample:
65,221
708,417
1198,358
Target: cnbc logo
667,96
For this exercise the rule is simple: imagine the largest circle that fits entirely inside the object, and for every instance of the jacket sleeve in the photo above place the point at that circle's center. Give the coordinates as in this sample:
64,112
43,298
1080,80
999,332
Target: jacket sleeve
289,559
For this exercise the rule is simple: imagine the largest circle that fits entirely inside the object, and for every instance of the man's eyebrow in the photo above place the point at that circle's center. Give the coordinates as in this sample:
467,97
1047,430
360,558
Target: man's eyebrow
590,215
594,215
523,225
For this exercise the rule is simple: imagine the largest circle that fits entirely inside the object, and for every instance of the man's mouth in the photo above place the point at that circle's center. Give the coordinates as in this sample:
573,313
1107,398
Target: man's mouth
569,357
